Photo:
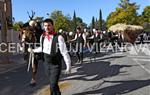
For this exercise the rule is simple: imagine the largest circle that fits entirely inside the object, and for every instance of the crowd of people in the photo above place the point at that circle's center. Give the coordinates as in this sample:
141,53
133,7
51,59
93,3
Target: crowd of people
55,45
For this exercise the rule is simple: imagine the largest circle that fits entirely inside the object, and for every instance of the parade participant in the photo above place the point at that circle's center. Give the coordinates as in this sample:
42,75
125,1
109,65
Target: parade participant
80,39
30,33
37,32
53,48
96,39
63,33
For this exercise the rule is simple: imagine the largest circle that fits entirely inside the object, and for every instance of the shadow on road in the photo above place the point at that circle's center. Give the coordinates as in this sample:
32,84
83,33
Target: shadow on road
96,70
16,82
122,87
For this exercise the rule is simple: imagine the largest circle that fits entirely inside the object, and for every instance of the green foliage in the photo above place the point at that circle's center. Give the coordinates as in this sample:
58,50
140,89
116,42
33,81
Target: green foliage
64,22
144,18
124,3
77,21
93,22
98,23
80,22
100,20
146,14
74,21
126,13
60,21
17,25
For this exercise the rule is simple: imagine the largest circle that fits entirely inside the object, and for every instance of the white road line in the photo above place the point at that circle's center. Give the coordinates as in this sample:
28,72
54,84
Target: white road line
13,68
146,57
142,59
147,70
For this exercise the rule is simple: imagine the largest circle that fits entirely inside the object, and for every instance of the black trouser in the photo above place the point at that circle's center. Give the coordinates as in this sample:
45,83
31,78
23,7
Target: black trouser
79,51
80,56
96,47
53,69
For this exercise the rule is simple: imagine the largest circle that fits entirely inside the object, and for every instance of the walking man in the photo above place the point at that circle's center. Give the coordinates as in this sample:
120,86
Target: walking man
80,39
54,49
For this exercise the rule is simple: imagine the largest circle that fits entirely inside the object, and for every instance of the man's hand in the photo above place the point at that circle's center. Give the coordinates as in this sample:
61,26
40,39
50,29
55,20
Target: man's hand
84,45
30,50
68,71
21,49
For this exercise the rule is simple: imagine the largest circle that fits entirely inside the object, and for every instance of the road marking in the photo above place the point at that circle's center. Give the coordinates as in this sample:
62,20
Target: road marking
13,68
145,57
142,59
136,60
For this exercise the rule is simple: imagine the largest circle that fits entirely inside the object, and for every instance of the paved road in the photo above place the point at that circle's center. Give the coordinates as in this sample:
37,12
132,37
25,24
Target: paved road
16,82
126,73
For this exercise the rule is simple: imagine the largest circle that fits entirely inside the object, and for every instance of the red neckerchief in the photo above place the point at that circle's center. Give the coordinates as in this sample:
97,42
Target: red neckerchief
48,35
97,33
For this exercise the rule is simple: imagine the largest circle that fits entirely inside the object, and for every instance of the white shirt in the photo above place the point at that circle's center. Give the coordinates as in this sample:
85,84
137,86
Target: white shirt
61,45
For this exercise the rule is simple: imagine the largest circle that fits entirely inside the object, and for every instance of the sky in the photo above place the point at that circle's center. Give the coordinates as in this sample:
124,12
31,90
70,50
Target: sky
85,9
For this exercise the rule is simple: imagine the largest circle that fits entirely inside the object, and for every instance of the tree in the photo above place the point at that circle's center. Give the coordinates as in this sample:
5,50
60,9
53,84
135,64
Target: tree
100,20
144,19
74,21
79,22
17,25
146,14
126,13
93,23
60,21
124,3
96,24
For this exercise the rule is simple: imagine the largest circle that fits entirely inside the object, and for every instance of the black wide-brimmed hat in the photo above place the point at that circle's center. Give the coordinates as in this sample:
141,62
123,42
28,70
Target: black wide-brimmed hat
78,27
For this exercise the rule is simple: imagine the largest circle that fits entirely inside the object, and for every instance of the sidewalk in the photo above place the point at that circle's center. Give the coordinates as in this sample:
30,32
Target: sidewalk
10,61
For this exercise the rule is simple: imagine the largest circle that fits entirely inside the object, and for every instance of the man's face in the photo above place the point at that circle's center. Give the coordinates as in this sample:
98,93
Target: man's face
48,27
78,30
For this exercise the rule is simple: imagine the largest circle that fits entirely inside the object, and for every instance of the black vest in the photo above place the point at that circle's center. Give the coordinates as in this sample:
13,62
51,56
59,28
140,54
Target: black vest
80,39
96,39
54,46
